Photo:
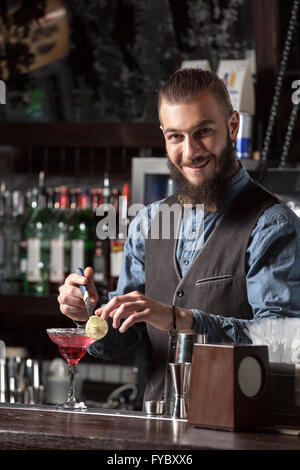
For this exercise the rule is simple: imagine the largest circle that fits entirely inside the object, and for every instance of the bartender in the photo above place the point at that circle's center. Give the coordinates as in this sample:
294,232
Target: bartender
233,258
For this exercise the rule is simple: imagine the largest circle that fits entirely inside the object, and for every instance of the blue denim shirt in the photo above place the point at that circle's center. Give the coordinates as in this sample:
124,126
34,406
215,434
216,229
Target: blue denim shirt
273,268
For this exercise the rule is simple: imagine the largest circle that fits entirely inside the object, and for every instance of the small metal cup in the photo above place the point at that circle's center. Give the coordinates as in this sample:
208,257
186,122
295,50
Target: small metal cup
154,408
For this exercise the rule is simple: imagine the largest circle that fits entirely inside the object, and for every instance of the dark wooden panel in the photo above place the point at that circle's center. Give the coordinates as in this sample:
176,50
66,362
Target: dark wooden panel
29,304
62,134
266,39
265,34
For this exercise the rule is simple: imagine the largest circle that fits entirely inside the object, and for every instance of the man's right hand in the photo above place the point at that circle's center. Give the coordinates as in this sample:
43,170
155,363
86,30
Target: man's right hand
70,297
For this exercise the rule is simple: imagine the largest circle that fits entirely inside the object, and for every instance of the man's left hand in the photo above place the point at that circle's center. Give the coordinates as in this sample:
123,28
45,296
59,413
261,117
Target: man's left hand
136,307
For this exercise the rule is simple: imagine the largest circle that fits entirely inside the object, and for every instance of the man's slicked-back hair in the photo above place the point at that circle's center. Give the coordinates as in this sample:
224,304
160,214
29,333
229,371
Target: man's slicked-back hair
185,85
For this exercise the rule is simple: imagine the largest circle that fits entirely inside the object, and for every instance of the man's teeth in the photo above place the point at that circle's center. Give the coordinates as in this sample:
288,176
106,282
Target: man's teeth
201,165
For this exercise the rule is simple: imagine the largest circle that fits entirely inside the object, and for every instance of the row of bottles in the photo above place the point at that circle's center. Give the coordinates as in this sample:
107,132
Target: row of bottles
41,244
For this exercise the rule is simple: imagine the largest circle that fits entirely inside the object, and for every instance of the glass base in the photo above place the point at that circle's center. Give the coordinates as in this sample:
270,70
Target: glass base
78,406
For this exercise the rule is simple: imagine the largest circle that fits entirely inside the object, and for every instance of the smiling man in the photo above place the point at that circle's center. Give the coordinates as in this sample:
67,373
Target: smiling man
247,266
200,140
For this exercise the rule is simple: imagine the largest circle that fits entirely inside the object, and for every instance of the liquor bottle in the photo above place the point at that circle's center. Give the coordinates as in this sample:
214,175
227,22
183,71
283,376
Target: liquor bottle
117,244
72,216
2,236
50,197
13,220
114,247
32,198
60,240
81,234
123,212
73,208
74,201
106,192
37,234
100,253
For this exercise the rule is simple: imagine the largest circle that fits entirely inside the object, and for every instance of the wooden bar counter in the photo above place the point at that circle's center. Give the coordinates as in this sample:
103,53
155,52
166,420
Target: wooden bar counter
30,427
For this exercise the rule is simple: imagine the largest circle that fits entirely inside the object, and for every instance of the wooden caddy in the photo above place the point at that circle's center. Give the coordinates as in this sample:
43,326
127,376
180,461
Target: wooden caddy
230,387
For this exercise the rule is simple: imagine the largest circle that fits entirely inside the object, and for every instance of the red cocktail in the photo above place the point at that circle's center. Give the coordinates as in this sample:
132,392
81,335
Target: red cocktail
72,343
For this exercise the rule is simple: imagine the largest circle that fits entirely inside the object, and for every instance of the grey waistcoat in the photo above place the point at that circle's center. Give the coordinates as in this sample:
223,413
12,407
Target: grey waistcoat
215,282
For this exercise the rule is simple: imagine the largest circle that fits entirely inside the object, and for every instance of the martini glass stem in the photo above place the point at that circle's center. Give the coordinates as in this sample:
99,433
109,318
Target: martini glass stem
71,394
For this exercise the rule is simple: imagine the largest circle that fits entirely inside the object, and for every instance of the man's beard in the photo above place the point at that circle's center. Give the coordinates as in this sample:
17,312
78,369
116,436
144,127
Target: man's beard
208,193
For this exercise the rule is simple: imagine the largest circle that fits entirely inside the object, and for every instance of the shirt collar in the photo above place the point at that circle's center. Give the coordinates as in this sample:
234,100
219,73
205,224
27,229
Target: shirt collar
234,187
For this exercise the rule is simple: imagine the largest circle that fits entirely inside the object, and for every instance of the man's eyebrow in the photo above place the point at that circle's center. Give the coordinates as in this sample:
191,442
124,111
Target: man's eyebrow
205,122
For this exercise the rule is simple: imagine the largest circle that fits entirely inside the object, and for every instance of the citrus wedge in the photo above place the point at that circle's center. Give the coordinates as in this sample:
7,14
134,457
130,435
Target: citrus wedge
96,328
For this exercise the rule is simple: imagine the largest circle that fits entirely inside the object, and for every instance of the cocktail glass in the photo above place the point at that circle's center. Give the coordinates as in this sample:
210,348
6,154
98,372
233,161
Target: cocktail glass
72,343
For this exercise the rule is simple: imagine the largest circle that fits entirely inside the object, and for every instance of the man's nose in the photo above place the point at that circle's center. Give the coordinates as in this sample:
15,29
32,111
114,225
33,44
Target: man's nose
191,148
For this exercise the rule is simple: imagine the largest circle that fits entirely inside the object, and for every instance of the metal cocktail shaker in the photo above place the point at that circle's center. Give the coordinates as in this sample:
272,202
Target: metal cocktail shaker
184,346
181,347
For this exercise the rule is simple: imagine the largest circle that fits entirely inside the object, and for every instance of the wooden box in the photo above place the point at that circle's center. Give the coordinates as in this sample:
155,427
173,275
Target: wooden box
230,386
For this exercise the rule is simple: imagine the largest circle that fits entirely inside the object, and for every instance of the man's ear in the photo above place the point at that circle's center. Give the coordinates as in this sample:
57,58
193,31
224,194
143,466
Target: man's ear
233,125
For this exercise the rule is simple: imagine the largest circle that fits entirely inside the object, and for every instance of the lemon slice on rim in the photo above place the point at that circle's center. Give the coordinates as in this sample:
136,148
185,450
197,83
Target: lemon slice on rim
96,328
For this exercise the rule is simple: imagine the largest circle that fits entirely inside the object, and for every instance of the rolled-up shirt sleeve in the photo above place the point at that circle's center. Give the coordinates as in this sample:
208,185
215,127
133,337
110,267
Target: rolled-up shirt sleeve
272,277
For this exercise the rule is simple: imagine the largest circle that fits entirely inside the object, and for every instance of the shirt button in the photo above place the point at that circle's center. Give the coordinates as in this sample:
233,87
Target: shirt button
180,293
185,261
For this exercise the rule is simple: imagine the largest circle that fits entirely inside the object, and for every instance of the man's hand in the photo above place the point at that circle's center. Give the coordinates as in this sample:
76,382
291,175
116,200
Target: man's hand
70,297
136,307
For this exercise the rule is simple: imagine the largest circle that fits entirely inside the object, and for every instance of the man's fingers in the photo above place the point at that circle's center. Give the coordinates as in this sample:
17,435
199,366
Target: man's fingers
89,275
131,320
91,287
73,301
127,309
67,292
74,279
73,312
98,312
70,297
118,300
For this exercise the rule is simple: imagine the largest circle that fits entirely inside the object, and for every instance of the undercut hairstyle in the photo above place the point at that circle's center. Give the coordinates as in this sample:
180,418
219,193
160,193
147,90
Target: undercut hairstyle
185,85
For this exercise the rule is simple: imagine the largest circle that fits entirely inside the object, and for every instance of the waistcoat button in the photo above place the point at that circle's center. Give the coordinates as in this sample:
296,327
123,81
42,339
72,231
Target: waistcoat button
180,293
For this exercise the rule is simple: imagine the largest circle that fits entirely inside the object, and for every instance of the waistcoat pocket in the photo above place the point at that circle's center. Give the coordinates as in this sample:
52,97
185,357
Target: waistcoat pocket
209,280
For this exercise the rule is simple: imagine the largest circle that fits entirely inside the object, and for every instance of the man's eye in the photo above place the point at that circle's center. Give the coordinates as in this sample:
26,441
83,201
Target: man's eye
203,132
174,137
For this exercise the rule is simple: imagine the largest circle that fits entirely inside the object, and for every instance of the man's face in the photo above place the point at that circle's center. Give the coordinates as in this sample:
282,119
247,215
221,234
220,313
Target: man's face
199,141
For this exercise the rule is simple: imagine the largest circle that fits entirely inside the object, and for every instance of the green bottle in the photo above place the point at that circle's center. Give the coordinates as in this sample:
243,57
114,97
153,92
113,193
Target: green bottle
60,241
82,244
37,235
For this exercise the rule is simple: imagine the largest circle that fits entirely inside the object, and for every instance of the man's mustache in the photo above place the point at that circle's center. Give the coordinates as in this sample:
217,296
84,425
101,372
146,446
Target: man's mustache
194,162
